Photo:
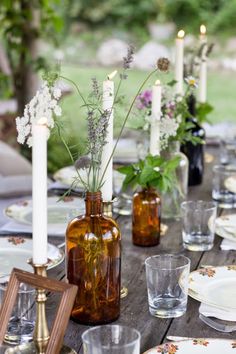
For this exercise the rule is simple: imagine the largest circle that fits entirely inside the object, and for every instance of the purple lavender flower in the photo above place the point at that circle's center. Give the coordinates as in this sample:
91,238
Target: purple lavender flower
144,99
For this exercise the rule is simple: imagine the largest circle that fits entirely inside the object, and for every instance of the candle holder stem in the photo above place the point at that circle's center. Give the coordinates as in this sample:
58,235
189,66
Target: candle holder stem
41,332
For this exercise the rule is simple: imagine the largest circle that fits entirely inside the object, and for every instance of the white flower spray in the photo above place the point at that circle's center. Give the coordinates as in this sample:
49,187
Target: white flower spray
43,105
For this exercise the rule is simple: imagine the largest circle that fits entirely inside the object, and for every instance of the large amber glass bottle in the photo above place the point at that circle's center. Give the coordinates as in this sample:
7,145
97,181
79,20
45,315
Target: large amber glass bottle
94,264
146,222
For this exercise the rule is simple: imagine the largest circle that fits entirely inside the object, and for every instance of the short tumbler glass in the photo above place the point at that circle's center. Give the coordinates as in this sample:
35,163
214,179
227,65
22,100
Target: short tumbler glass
198,225
167,285
21,325
111,339
222,192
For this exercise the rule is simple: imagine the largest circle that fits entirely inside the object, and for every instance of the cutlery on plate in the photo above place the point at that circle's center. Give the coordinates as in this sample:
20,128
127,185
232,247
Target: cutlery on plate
216,325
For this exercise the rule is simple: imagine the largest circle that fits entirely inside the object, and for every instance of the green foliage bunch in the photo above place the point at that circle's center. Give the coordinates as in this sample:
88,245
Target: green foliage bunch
153,171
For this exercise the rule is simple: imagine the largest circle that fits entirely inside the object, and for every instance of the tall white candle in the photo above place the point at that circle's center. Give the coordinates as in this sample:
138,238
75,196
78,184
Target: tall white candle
179,61
155,120
202,93
39,191
108,99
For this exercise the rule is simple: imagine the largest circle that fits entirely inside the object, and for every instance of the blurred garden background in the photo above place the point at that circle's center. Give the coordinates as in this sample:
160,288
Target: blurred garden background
89,38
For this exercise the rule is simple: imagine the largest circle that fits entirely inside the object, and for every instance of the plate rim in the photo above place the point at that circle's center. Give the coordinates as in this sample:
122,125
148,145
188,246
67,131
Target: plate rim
227,236
190,339
29,201
194,295
54,263
226,184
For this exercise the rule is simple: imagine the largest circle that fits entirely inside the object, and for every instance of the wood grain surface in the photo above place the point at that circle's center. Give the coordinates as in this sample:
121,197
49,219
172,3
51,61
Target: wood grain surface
134,308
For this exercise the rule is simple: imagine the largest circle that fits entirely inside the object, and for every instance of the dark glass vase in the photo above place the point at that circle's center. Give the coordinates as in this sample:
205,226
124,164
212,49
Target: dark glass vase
146,221
93,244
194,153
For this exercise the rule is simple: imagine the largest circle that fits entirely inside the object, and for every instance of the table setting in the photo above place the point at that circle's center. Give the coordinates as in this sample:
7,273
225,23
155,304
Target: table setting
116,219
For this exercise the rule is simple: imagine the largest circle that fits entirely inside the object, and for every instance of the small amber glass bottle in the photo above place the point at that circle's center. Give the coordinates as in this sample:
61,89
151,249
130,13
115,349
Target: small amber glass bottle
146,222
94,264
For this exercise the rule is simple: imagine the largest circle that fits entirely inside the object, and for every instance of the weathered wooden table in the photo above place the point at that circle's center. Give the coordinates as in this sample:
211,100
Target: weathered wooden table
134,308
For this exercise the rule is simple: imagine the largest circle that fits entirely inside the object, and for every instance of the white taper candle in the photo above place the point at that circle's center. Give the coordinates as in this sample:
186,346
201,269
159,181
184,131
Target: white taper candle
202,93
155,119
39,191
179,62
108,99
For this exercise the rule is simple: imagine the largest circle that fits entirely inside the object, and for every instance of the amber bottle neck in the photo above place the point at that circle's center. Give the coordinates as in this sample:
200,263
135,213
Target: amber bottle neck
93,203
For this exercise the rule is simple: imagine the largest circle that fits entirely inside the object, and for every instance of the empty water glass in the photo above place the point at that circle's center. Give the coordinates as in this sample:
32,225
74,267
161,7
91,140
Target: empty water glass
167,285
111,339
198,225
224,185
228,151
21,325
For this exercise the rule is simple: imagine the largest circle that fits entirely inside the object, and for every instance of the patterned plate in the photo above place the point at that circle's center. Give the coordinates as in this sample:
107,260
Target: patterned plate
225,226
196,346
230,184
15,251
215,286
59,212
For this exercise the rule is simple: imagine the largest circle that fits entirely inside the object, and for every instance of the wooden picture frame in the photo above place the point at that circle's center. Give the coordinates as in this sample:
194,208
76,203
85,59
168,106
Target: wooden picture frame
68,294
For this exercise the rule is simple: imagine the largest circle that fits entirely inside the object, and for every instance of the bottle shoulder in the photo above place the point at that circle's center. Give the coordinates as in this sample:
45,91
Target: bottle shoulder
88,224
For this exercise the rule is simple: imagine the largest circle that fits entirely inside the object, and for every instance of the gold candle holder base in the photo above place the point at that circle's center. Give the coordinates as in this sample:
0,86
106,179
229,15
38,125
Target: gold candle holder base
29,348
41,333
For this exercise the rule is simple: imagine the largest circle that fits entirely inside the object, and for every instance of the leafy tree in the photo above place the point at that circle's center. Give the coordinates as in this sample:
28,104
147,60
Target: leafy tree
23,24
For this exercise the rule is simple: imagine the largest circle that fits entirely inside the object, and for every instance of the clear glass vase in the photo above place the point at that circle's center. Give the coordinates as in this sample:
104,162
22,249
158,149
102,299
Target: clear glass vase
171,201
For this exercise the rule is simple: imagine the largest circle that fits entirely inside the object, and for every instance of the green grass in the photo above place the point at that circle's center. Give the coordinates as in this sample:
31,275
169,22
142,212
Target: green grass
221,94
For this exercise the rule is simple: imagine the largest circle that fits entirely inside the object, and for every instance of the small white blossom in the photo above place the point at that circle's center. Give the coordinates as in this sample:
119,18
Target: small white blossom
191,81
168,128
43,104
179,118
57,93
179,98
157,169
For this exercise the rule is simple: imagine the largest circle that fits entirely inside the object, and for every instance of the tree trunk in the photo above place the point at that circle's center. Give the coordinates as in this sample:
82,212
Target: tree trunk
25,78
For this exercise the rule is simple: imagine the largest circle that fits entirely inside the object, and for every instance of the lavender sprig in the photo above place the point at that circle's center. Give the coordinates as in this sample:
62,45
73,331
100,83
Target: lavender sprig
129,58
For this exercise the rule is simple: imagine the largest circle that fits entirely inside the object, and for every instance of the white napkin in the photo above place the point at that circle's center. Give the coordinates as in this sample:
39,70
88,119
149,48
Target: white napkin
211,311
15,185
227,245
15,227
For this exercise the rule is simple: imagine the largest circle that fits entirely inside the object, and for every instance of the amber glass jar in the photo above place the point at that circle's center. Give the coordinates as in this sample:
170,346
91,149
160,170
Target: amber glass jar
94,264
146,222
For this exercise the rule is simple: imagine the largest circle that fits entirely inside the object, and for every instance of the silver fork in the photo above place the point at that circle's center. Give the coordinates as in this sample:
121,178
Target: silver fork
216,325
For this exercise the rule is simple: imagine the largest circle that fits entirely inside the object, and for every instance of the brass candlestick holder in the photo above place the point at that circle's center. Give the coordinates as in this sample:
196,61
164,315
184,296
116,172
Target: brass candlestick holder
41,332
107,211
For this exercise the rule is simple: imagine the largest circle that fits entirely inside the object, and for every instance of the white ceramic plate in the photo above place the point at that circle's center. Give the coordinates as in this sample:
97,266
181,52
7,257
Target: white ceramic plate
59,212
196,346
230,184
67,175
16,250
225,226
215,286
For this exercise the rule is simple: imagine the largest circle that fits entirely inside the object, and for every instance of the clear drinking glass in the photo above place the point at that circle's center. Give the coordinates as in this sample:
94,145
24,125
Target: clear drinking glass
111,339
198,225
228,152
21,325
167,285
224,185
